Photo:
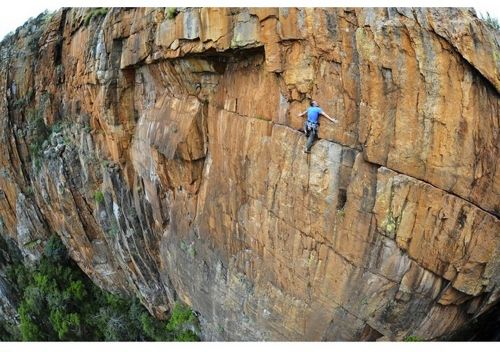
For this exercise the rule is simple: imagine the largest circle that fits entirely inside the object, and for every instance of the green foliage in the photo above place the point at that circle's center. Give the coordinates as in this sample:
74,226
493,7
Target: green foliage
171,12
181,320
99,197
24,100
47,16
491,21
54,290
29,330
38,133
29,191
33,41
38,26
94,13
55,251
38,164
18,275
113,230
8,332
60,303
412,338
188,248
180,315
57,127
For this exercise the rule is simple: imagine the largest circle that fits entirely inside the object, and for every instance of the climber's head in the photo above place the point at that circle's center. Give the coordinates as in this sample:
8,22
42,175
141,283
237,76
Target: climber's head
314,103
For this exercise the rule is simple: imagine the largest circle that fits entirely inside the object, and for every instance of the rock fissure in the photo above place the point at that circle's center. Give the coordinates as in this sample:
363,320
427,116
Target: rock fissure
396,171
434,186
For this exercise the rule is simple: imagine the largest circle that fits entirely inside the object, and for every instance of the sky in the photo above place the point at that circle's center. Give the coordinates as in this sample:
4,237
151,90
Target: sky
15,12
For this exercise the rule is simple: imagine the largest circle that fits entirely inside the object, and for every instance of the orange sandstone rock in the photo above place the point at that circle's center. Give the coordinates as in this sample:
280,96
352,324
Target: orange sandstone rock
188,126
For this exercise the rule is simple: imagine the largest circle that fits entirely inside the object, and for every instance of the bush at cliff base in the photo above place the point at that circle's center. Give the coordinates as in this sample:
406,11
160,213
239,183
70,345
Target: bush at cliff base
58,302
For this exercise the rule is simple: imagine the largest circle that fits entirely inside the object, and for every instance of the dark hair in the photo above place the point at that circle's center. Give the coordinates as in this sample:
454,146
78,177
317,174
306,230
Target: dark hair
311,103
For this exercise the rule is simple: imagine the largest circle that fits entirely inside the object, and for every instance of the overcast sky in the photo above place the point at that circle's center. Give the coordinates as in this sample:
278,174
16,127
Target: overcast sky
15,12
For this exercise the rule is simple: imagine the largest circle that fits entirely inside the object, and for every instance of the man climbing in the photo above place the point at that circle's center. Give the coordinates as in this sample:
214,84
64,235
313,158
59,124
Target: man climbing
312,123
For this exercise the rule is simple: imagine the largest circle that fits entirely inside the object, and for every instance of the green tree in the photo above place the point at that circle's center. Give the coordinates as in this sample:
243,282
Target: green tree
182,323
60,303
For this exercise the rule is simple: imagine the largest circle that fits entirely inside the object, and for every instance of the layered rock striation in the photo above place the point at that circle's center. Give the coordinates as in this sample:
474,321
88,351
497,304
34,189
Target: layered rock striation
164,149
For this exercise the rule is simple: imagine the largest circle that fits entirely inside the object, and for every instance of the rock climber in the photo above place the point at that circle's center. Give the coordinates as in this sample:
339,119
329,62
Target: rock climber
312,123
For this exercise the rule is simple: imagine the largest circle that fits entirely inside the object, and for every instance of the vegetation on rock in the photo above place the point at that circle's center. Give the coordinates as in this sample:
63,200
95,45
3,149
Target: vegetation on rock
58,302
94,13
171,12
491,21
99,197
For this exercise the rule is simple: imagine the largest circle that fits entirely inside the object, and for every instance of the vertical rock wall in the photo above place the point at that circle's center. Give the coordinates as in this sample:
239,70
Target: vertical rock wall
188,128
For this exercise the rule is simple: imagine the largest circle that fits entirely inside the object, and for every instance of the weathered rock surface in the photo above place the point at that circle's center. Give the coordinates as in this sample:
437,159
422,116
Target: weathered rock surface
188,126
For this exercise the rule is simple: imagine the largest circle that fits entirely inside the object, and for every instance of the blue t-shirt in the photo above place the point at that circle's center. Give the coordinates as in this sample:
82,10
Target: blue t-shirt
313,114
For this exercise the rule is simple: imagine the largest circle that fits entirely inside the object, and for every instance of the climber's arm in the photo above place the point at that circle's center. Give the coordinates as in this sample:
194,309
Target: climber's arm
302,114
328,117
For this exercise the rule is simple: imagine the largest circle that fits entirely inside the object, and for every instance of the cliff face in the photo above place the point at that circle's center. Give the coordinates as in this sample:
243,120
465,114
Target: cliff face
166,154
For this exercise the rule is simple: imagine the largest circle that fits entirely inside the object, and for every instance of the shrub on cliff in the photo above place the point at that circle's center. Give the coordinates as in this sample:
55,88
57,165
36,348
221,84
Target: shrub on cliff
94,13
491,21
38,133
99,197
60,303
171,12
182,323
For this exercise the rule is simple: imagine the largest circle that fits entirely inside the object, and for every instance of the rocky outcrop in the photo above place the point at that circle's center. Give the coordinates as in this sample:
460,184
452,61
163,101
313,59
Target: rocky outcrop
166,153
